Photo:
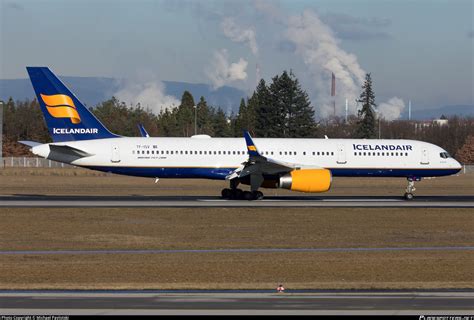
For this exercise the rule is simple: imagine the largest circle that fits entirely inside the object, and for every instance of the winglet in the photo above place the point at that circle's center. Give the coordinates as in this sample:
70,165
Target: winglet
252,149
143,132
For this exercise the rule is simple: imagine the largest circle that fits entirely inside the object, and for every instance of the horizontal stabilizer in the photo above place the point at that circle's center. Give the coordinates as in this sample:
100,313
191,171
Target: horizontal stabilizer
30,144
68,151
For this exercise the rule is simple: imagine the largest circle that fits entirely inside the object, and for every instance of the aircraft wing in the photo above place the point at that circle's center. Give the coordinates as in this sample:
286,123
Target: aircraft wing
257,165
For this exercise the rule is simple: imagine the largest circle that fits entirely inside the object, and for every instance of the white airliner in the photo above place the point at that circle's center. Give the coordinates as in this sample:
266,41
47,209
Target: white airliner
305,165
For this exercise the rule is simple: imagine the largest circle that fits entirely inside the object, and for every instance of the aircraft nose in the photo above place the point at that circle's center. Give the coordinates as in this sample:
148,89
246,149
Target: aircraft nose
457,164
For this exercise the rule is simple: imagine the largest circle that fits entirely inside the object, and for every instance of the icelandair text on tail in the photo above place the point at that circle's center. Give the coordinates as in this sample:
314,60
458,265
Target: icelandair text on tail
75,130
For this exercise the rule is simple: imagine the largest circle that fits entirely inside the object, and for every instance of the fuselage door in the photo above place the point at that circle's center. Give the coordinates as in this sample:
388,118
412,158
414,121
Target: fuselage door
425,159
115,153
341,154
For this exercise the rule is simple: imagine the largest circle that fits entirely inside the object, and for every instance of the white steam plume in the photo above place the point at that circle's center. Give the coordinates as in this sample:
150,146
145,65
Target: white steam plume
150,94
221,72
392,109
316,44
237,33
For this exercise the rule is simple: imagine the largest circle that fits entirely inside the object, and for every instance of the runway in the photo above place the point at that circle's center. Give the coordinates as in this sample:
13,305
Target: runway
209,201
237,302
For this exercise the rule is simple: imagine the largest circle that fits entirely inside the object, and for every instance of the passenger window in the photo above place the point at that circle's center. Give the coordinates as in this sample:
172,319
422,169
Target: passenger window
332,153
304,153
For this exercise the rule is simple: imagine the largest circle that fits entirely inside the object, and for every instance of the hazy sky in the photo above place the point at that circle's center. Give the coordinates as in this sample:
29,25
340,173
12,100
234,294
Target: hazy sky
418,50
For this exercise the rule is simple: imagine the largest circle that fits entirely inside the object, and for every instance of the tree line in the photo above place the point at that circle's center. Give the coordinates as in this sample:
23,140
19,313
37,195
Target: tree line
280,109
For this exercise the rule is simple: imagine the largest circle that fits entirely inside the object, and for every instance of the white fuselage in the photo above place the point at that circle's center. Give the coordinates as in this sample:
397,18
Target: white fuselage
215,158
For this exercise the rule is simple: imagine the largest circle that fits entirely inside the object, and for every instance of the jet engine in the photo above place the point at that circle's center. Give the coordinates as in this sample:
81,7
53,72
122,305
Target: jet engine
307,180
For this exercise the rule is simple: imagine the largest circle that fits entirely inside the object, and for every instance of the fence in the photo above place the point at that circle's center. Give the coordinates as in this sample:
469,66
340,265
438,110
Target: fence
25,162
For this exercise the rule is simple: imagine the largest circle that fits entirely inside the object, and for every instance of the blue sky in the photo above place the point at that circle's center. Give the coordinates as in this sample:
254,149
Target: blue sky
419,50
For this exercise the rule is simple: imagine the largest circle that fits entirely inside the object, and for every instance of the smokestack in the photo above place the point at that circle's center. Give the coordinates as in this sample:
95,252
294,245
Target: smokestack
333,91
333,85
347,108
409,109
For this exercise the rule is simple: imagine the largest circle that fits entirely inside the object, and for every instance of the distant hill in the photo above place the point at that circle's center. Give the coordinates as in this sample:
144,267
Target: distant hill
93,90
436,113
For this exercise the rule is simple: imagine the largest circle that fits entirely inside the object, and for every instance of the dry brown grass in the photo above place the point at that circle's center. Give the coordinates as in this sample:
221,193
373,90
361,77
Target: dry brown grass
87,182
212,228
240,271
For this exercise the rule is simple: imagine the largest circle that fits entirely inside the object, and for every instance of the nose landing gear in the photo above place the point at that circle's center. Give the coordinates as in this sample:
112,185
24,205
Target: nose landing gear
410,188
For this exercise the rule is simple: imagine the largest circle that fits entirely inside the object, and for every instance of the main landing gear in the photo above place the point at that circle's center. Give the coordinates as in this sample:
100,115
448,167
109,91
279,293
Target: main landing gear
410,188
239,194
233,193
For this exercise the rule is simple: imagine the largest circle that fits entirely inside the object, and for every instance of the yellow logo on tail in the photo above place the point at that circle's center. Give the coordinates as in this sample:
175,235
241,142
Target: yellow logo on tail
61,106
252,148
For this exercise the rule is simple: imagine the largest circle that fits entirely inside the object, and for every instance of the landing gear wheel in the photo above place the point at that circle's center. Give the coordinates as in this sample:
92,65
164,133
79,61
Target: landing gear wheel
254,195
247,195
226,193
237,194
410,188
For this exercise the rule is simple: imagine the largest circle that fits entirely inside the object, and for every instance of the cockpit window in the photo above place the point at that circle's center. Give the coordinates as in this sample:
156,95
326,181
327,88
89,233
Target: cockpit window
444,155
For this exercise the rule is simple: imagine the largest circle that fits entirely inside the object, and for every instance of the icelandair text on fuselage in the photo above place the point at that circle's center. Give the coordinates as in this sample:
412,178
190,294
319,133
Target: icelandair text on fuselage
75,130
383,147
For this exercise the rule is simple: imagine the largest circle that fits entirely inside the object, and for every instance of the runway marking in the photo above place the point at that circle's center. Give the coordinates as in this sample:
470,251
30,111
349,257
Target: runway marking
240,250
